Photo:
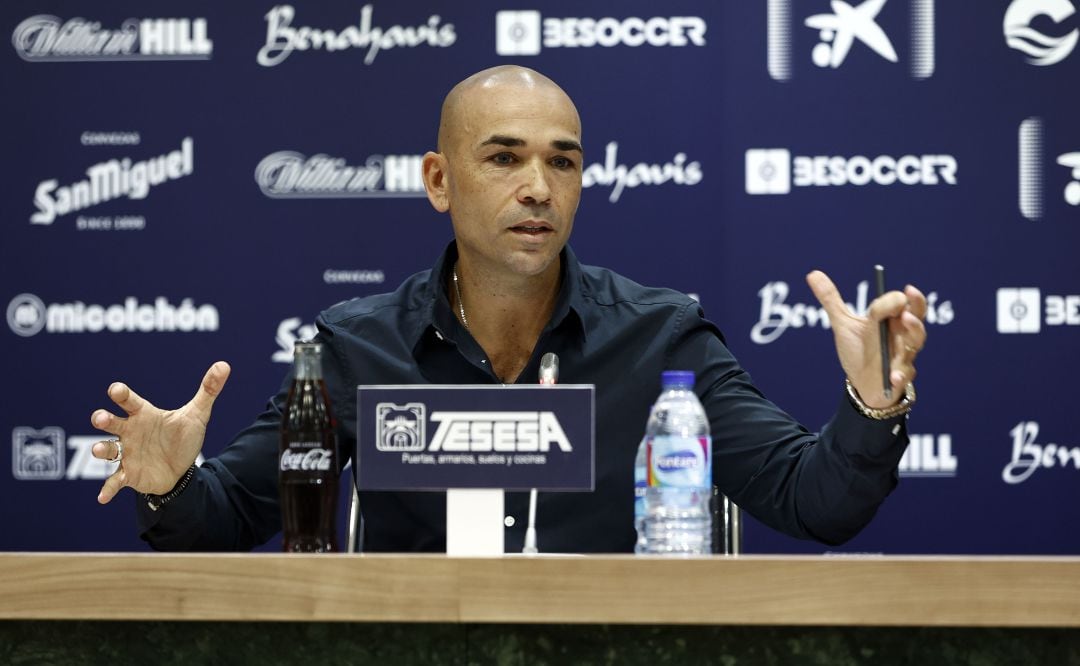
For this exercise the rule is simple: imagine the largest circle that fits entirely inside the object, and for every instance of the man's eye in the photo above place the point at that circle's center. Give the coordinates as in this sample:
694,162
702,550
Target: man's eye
562,163
503,158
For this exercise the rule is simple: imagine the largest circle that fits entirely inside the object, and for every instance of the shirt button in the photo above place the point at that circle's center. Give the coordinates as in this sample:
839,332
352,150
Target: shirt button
509,521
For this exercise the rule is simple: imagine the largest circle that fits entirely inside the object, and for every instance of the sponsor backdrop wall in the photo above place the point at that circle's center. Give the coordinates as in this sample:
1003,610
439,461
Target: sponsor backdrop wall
187,182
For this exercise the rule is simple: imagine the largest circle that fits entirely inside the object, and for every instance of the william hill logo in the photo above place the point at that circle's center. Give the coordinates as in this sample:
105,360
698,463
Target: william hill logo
46,38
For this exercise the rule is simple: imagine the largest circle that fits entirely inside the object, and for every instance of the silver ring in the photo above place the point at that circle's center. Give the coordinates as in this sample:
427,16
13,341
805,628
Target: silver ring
119,451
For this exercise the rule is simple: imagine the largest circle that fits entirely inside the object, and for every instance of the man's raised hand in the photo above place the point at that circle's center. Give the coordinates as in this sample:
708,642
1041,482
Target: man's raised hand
857,338
158,445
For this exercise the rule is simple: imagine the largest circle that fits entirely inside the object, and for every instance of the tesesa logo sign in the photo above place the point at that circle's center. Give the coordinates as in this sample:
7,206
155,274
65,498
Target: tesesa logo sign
402,428
519,32
39,455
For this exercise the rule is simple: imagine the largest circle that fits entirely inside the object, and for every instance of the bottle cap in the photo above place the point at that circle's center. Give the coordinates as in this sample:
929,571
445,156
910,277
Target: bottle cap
672,378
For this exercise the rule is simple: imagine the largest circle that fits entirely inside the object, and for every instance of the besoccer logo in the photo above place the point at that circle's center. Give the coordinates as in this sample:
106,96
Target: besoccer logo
400,427
776,170
848,27
768,171
517,32
1018,310
523,32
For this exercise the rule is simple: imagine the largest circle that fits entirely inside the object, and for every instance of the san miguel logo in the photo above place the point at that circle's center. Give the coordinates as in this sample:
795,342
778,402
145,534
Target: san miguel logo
112,179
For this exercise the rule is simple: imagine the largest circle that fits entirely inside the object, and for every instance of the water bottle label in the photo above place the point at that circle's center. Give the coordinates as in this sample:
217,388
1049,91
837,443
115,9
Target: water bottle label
679,462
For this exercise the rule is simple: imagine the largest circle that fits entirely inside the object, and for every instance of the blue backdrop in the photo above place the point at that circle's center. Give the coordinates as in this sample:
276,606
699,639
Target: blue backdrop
187,182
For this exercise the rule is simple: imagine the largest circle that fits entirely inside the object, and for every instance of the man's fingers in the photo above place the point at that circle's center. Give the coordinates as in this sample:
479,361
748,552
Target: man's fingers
827,294
916,301
894,303
212,383
107,421
106,450
112,485
887,306
128,400
901,377
909,334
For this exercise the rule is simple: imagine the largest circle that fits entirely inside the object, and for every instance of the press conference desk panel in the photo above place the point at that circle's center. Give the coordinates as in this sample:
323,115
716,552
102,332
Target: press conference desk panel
611,590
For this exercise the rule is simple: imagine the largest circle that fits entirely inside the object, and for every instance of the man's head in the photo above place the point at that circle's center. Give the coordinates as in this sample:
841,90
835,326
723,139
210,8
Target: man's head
508,170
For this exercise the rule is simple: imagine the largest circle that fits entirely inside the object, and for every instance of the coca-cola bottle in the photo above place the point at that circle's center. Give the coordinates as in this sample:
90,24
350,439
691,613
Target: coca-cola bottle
308,466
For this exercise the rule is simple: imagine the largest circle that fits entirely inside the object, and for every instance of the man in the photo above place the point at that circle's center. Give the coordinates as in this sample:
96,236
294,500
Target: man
508,170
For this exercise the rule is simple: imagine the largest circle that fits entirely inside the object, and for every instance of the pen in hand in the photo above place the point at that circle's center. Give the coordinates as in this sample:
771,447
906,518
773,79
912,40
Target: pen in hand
883,333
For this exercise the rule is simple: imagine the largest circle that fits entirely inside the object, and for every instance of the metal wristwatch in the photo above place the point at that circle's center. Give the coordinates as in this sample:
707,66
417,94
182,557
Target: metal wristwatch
900,408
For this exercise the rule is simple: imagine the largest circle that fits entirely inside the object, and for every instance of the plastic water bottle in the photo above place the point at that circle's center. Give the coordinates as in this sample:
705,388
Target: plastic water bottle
641,476
677,457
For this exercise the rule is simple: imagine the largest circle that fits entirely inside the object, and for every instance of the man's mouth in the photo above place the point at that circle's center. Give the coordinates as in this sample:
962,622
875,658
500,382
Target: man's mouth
532,229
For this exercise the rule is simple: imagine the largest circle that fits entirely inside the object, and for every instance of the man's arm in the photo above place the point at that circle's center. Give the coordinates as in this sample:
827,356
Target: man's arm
231,502
824,487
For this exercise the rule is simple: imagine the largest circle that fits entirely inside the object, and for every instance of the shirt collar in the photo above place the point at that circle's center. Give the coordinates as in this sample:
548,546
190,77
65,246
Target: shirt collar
436,314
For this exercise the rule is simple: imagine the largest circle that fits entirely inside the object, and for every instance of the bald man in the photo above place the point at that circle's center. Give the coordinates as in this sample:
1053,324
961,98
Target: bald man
505,291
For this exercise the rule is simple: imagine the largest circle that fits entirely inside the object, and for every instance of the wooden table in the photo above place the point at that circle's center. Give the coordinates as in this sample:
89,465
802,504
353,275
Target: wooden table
747,590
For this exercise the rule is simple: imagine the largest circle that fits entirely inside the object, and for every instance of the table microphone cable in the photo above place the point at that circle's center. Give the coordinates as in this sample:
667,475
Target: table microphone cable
549,375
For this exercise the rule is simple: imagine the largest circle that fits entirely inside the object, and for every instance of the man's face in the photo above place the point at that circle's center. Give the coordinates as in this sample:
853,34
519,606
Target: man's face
513,164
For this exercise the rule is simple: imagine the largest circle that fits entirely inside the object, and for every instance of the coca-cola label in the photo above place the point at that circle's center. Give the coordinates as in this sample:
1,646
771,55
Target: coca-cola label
313,460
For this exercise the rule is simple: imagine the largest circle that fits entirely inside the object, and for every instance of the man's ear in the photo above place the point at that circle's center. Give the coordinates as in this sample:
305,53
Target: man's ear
435,181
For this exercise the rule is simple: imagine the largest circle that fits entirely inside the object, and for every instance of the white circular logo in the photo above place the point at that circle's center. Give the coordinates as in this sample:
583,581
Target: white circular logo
26,315
1018,310
518,31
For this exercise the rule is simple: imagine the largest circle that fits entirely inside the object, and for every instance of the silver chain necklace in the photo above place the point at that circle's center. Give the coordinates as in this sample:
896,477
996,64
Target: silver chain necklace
460,303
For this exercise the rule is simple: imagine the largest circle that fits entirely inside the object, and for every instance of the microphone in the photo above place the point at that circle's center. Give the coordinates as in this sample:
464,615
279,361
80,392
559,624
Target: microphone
549,369
549,375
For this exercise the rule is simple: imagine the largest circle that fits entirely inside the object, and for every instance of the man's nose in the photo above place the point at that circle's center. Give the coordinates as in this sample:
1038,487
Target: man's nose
535,188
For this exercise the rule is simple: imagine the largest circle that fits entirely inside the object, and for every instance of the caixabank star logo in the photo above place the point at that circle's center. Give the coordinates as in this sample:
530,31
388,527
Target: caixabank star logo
871,30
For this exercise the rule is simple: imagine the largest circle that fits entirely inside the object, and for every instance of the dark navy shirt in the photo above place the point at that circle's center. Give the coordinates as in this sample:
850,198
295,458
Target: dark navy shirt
607,331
